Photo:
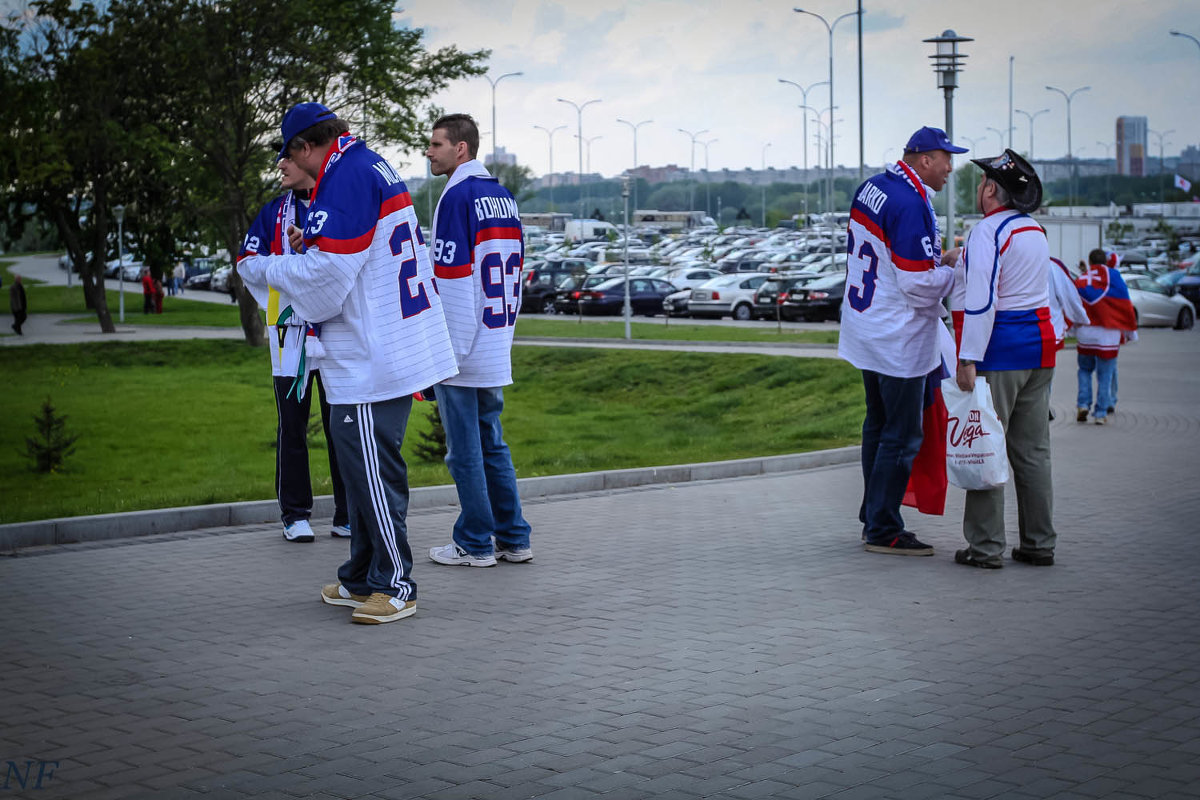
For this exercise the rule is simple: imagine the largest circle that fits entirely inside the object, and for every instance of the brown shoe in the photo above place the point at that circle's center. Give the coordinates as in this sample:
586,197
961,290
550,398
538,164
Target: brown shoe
337,595
380,608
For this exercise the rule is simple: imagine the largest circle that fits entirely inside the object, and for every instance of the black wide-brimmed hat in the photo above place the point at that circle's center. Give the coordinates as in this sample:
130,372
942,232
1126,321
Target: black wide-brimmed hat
1017,176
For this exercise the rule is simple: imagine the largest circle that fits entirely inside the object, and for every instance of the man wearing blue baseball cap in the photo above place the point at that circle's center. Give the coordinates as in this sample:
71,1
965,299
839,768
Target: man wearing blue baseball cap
361,270
896,277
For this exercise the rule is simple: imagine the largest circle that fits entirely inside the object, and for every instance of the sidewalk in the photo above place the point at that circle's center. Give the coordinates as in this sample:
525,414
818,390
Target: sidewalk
712,639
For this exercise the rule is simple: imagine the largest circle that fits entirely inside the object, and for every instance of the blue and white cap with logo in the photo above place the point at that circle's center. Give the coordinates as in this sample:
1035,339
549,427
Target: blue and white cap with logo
300,118
928,139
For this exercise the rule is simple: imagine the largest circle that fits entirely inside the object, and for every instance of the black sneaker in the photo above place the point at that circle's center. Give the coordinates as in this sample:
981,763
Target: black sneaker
1081,415
904,544
964,557
1028,558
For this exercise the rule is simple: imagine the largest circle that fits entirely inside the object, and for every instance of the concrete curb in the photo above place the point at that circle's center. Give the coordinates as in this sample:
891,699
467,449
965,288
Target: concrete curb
671,344
99,527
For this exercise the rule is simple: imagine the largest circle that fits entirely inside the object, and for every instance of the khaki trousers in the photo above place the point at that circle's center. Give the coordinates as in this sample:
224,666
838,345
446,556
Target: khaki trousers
1022,400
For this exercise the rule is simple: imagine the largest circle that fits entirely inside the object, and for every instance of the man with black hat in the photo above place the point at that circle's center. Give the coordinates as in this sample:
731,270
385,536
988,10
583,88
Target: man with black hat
1005,335
365,275
896,277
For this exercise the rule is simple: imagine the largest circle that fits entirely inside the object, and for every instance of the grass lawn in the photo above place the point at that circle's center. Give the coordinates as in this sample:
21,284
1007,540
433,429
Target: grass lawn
608,328
165,424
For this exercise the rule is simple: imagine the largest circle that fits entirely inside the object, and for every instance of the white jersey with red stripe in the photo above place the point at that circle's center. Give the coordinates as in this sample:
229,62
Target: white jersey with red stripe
895,282
1001,298
478,250
366,276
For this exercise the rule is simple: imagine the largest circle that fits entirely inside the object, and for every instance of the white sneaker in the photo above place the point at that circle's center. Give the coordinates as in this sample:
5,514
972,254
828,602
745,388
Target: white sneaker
340,532
298,531
516,555
454,555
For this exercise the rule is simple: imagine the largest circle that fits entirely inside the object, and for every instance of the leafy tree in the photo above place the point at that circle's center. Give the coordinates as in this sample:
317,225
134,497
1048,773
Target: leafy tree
167,106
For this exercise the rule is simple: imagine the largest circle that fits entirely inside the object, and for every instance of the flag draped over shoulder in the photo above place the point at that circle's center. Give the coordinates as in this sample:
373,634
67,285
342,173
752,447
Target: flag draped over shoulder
1106,298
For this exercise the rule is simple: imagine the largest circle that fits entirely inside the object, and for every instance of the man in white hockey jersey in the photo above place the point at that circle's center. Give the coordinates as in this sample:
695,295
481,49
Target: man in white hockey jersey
477,254
365,276
293,373
1001,308
896,277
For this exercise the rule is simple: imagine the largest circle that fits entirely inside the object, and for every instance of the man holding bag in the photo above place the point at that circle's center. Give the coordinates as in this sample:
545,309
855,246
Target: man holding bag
1005,336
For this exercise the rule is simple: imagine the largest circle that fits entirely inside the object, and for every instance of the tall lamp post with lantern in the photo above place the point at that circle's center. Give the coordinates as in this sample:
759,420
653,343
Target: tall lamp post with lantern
947,63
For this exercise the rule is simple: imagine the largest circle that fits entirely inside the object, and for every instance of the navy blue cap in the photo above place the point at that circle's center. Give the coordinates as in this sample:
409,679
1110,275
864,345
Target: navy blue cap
300,118
928,139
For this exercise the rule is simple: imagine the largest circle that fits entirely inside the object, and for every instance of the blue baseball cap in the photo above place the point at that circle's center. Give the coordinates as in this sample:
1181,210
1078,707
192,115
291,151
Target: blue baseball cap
928,139
300,118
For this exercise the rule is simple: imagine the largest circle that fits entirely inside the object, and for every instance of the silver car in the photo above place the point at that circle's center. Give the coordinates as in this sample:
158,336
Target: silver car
1159,306
729,295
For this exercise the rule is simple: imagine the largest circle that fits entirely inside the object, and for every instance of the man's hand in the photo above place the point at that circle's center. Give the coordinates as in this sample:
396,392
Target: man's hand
966,377
295,239
950,257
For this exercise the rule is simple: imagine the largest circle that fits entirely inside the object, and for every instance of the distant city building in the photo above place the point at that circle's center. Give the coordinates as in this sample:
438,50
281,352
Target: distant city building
1131,145
502,157
1189,163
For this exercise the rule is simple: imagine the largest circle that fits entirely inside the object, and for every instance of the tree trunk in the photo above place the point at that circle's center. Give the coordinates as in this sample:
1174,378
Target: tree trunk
252,324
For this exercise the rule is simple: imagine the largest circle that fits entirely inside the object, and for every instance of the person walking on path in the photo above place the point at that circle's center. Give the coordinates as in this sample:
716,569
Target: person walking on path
1002,319
147,292
1111,319
294,369
478,250
17,304
896,277
365,276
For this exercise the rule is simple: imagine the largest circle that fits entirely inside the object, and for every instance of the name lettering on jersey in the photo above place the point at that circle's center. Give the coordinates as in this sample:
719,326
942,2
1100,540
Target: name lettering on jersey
387,171
495,207
872,197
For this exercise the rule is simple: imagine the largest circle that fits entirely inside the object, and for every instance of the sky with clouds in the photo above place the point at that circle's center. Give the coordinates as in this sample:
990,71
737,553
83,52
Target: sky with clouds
715,65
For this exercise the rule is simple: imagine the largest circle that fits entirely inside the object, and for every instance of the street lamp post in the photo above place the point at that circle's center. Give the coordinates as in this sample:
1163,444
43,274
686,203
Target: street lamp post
974,150
804,93
1108,146
707,188
947,63
1186,36
628,309
692,176
1031,118
999,135
1161,163
579,118
119,214
493,83
764,184
829,143
1070,156
550,144
634,127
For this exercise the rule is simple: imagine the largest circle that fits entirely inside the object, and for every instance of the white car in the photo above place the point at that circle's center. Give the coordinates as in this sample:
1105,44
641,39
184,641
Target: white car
1158,306
729,295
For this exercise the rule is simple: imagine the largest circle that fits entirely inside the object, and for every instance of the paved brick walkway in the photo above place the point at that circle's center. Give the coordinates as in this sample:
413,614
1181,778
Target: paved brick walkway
726,639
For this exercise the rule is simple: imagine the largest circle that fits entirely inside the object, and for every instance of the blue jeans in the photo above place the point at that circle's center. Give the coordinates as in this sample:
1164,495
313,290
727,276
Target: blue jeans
891,438
482,469
1106,370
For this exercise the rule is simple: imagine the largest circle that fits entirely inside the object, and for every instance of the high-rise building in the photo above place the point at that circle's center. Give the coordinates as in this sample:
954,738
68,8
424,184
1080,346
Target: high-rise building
1131,145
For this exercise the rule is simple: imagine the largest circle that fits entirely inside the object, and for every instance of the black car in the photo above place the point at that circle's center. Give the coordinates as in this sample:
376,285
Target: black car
566,296
766,298
645,296
816,300
540,280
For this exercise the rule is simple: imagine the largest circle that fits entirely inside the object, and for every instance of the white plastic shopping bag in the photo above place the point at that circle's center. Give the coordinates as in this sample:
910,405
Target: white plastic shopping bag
975,453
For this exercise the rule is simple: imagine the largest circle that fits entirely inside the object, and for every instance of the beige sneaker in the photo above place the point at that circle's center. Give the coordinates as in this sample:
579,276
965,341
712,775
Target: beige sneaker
380,608
337,595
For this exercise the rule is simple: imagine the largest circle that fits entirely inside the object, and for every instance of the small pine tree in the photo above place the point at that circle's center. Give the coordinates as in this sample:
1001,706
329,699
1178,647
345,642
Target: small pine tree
431,445
51,444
